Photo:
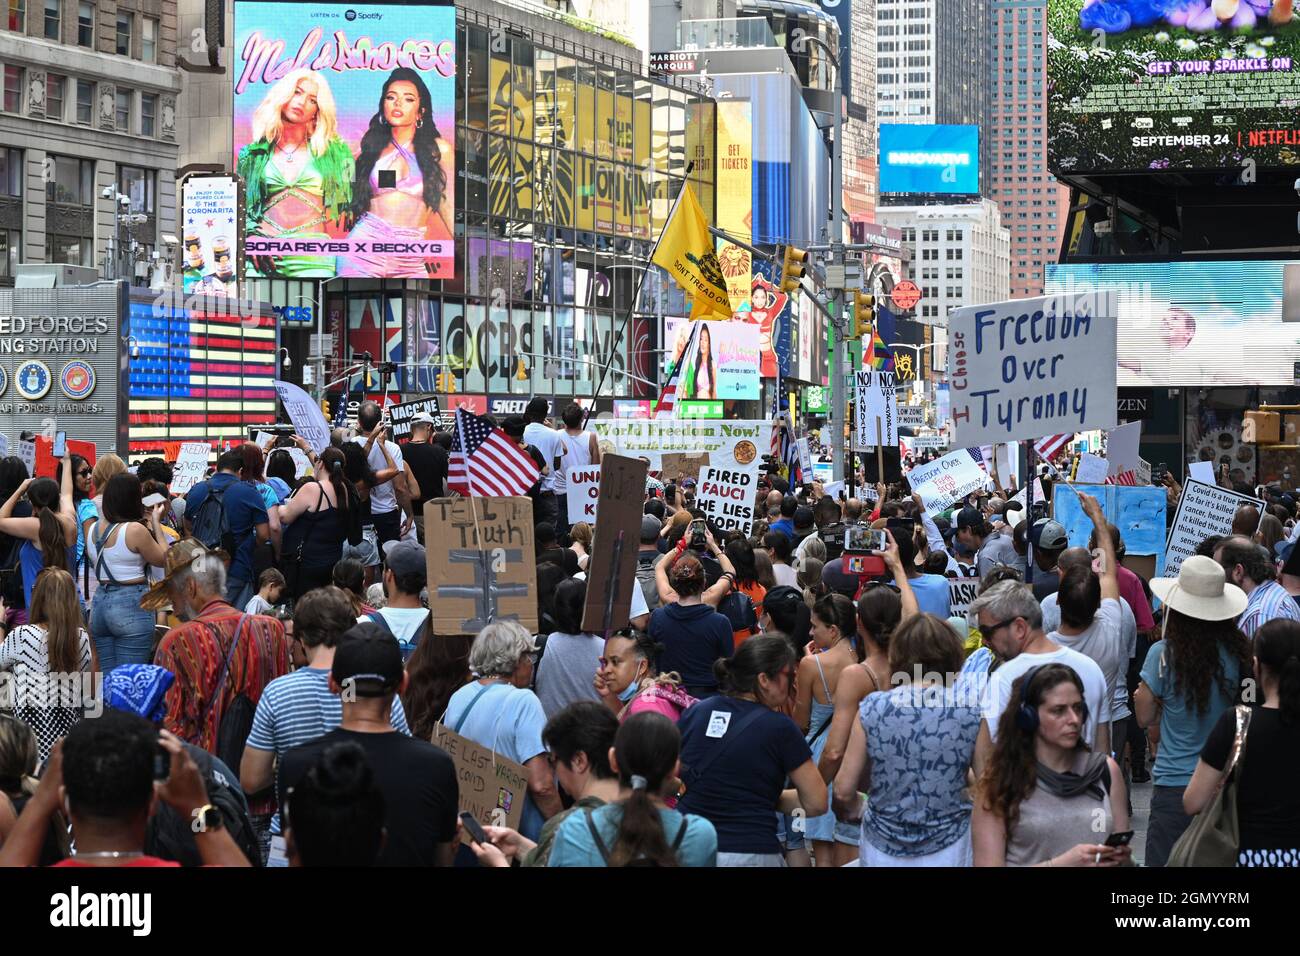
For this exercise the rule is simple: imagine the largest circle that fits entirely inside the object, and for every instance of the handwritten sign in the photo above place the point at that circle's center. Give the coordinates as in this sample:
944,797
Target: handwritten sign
1032,367
308,420
1203,510
727,496
726,442
400,416
485,567
1138,512
301,463
962,589
611,572
492,787
27,452
191,466
1092,470
943,483
584,493
876,405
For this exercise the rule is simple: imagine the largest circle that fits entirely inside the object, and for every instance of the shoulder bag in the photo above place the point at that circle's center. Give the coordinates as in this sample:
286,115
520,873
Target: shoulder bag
1214,836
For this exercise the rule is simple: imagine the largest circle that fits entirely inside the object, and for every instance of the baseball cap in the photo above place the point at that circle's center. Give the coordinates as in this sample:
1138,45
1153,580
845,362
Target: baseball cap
1049,535
423,418
803,517
370,659
968,518
405,558
537,408
650,528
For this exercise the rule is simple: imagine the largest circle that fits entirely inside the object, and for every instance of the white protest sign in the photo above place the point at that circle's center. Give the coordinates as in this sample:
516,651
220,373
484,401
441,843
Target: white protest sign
1007,460
877,409
584,493
1202,471
191,465
805,459
264,440
943,483
726,495
27,452
1122,451
833,489
728,443
1092,470
911,416
1204,509
1039,494
308,420
1144,472
1032,367
962,589
301,463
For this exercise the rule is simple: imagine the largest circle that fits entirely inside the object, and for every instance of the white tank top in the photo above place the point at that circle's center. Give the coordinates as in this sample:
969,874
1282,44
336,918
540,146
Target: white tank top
120,562
577,454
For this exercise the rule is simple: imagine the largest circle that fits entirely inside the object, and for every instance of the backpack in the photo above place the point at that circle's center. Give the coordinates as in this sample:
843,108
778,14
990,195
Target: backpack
408,648
170,837
645,576
739,611
237,718
604,851
212,526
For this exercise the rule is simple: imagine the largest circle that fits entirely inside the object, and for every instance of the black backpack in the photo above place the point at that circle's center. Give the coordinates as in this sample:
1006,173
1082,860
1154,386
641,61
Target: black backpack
604,851
210,524
738,609
237,718
645,578
171,837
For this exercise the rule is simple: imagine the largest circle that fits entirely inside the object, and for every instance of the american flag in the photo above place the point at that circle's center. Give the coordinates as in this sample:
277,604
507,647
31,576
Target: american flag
668,398
1049,447
486,461
1123,478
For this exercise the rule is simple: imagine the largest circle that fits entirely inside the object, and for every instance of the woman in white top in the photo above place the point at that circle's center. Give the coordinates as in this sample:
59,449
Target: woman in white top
51,645
579,449
121,548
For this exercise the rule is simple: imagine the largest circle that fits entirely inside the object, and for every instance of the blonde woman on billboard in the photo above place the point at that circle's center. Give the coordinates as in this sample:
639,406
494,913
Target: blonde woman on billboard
400,192
297,173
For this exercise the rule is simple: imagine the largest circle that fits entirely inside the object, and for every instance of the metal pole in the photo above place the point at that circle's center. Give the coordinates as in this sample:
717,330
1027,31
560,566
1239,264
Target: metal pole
837,259
319,364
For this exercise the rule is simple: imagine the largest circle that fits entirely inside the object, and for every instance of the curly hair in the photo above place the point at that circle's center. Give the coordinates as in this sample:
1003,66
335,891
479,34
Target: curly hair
1192,648
438,668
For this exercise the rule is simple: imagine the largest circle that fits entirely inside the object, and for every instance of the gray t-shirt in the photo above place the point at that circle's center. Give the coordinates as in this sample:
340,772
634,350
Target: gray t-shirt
569,663
1103,641
999,549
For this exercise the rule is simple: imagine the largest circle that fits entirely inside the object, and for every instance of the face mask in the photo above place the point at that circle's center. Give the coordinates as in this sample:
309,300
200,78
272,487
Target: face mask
631,690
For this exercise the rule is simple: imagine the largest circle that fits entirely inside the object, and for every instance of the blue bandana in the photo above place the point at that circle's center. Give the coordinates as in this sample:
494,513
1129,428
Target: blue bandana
140,689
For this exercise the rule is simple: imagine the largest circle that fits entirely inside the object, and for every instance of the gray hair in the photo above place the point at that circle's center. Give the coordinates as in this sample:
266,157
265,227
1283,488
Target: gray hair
208,572
814,547
1010,599
498,648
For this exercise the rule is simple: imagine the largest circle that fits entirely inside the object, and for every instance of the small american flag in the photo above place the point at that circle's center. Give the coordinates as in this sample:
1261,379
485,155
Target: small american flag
1123,478
1049,447
486,461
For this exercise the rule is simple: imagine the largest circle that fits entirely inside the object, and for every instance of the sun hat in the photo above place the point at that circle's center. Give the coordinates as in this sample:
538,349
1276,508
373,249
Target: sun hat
1201,591
180,556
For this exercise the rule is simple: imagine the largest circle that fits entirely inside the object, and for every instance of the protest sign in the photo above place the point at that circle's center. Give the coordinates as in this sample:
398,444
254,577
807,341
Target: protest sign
1143,472
727,497
1032,367
492,787
805,458
728,443
1122,453
301,463
308,420
962,589
833,489
1092,470
1138,512
484,568
1023,498
677,466
27,452
1006,459
583,493
944,482
1202,471
46,464
1203,510
399,416
191,466
877,409
611,572
264,441
911,416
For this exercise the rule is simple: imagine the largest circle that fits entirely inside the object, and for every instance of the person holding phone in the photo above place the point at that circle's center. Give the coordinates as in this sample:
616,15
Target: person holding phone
47,538
1045,799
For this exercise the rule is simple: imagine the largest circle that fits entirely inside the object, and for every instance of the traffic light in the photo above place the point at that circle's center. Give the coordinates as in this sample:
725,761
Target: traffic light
793,268
864,313
325,407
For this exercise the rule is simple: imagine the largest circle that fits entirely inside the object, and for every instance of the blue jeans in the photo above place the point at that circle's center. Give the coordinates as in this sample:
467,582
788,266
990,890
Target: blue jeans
121,629
239,593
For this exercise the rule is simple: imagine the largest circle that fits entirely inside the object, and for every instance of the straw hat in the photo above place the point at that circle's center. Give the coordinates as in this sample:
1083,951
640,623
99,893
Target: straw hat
179,557
1201,591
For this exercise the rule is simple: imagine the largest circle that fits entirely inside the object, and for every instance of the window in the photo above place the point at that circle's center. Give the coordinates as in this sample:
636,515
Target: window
72,183
149,40
85,24
13,101
85,102
11,246
53,19
148,114
74,250
123,111
124,24
18,16
11,173
55,86
138,184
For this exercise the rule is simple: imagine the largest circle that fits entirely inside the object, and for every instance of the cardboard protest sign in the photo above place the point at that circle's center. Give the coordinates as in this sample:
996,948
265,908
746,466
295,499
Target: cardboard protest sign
492,787
400,416
1203,510
728,442
943,483
1092,470
1032,367
191,466
27,452
727,497
677,466
611,572
308,420
583,493
1122,453
47,466
484,567
1138,512
877,405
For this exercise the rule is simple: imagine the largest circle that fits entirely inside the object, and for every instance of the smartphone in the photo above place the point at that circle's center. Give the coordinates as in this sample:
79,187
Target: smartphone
162,763
154,500
1122,838
861,539
60,445
698,530
476,831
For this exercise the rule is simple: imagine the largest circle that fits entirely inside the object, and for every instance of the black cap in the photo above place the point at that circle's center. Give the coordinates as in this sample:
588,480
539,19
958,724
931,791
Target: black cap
514,426
969,518
803,517
368,661
537,409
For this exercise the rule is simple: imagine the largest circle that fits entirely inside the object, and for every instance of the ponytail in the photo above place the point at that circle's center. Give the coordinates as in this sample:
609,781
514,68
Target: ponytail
345,494
646,748
1277,648
44,497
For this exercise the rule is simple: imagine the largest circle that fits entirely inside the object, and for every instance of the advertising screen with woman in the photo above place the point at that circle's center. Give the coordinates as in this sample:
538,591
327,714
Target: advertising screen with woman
344,132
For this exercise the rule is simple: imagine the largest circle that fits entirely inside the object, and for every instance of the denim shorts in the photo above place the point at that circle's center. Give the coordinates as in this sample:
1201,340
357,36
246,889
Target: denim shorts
367,552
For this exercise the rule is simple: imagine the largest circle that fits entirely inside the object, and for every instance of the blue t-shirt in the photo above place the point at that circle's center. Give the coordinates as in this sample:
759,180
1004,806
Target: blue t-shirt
739,789
693,636
785,526
575,846
245,510
85,511
932,595
508,721
1183,731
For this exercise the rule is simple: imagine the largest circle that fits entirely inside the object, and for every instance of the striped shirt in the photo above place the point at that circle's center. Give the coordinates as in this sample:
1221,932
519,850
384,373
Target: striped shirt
1268,602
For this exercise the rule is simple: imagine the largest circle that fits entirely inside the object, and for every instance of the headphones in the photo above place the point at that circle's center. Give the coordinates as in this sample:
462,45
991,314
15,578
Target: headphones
1027,714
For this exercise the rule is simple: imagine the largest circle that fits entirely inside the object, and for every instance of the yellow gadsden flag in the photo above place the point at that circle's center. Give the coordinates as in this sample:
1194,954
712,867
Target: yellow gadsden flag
686,252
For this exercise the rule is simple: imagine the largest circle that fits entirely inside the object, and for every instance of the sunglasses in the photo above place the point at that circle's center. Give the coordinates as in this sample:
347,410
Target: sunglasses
987,632
83,474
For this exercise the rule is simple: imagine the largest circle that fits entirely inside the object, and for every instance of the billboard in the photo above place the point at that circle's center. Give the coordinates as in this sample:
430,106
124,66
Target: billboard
725,367
929,159
735,202
210,206
1139,86
344,131
1196,323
